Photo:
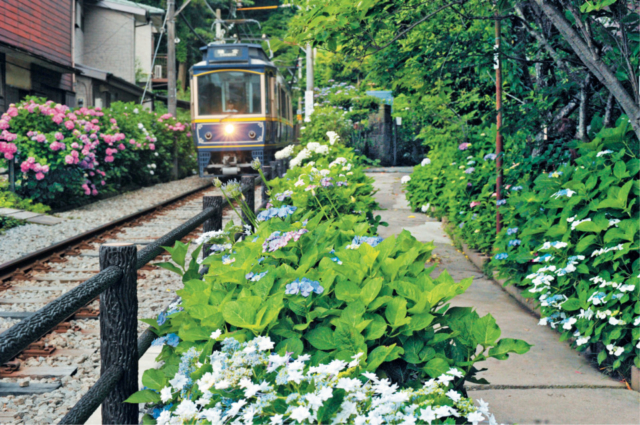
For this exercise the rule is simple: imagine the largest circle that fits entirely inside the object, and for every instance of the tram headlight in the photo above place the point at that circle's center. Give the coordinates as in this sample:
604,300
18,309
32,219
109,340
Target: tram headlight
229,129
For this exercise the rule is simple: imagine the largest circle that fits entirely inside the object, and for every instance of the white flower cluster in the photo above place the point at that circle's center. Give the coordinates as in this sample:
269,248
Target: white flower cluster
285,153
245,381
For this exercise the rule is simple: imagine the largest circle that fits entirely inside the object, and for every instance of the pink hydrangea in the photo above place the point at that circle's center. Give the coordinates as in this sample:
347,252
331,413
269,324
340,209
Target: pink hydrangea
4,124
59,136
133,142
69,125
58,118
103,182
8,136
108,158
12,111
75,145
474,204
121,147
166,116
463,146
152,146
39,176
69,159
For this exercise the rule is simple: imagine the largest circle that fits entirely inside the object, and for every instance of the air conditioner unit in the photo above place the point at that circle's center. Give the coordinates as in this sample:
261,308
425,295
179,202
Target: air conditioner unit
157,71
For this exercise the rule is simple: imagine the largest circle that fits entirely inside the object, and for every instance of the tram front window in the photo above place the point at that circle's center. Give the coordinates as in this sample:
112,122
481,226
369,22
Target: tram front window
229,92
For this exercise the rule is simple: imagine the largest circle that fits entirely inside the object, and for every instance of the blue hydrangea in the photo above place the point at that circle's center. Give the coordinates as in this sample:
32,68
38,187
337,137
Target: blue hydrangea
371,240
501,202
516,188
490,156
157,411
170,339
512,230
282,212
253,277
304,287
461,225
515,242
501,256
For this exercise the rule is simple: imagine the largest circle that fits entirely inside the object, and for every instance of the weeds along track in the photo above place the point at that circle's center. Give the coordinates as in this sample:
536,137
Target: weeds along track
52,374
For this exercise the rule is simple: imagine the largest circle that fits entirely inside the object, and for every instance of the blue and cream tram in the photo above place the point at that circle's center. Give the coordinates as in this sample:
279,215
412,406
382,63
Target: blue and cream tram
240,107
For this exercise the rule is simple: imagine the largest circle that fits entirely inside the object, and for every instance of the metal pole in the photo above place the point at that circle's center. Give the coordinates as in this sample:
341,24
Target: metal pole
215,222
308,95
498,67
172,102
119,332
266,170
12,175
248,183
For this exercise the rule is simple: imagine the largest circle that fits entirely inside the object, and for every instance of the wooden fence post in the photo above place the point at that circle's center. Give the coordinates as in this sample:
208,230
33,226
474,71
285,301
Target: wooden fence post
119,332
267,171
215,222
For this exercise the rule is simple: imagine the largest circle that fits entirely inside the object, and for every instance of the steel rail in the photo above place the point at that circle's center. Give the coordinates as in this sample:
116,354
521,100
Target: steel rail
24,262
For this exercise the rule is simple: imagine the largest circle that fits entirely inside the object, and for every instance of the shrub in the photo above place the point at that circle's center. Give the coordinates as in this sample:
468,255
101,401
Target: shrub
65,155
575,249
250,382
10,200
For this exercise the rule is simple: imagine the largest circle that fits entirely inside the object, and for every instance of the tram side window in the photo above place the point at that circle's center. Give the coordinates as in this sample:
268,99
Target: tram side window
229,92
268,81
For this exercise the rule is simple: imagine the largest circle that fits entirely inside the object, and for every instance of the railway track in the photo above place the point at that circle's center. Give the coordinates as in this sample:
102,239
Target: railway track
55,371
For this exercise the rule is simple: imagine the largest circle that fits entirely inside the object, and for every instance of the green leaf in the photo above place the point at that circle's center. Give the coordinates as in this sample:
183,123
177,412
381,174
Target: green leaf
239,314
347,291
508,345
436,367
290,345
154,379
486,331
380,355
178,252
571,304
585,243
171,267
144,396
396,312
321,338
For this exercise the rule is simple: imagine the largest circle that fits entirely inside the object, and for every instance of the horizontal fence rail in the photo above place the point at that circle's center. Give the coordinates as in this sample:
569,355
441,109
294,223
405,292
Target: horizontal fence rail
115,284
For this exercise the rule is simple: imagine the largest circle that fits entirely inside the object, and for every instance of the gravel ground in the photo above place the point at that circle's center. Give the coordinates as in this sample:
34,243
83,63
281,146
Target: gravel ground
22,240
155,291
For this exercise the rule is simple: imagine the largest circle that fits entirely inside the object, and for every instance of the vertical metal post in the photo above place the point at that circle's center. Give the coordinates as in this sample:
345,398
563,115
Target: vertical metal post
274,169
218,25
498,67
119,333
12,175
267,171
280,167
215,222
249,190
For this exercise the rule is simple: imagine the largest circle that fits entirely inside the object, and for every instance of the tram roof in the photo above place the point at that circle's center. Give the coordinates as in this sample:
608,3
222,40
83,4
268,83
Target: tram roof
240,55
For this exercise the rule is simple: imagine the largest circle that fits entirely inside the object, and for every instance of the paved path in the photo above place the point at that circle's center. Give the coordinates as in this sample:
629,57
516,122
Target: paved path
551,384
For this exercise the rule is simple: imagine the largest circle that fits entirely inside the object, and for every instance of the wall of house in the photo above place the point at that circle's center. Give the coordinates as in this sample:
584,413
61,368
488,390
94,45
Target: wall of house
22,23
109,41
144,48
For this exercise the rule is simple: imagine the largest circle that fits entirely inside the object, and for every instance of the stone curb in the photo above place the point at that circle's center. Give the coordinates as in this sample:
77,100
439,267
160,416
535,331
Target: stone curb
479,259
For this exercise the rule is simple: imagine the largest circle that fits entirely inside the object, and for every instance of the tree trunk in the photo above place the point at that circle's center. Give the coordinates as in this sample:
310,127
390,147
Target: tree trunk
608,112
581,131
591,60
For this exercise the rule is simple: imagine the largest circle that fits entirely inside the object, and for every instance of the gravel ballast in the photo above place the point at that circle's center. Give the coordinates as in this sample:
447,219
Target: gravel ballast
22,240
156,289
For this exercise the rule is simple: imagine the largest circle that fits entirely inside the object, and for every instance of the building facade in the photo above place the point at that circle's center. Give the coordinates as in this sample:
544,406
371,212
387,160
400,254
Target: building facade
36,49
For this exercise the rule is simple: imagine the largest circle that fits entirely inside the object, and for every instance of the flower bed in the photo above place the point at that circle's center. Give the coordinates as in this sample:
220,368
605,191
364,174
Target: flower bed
317,286
569,237
66,155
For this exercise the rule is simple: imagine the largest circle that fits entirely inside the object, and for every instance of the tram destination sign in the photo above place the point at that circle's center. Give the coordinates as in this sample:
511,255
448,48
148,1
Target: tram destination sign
228,54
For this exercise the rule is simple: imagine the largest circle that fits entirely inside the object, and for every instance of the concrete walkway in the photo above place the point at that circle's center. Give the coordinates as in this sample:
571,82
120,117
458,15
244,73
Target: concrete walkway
552,383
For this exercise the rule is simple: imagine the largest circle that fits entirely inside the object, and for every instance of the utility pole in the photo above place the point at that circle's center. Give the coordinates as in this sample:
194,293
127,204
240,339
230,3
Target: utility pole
498,67
299,112
218,25
308,95
172,101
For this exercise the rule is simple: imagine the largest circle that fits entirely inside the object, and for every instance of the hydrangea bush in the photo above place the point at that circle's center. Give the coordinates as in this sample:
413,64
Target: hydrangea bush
64,155
576,252
319,290
249,383
570,230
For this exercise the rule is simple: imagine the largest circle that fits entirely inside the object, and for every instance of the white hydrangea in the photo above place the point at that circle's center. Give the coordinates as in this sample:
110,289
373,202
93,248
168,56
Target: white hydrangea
333,137
285,153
